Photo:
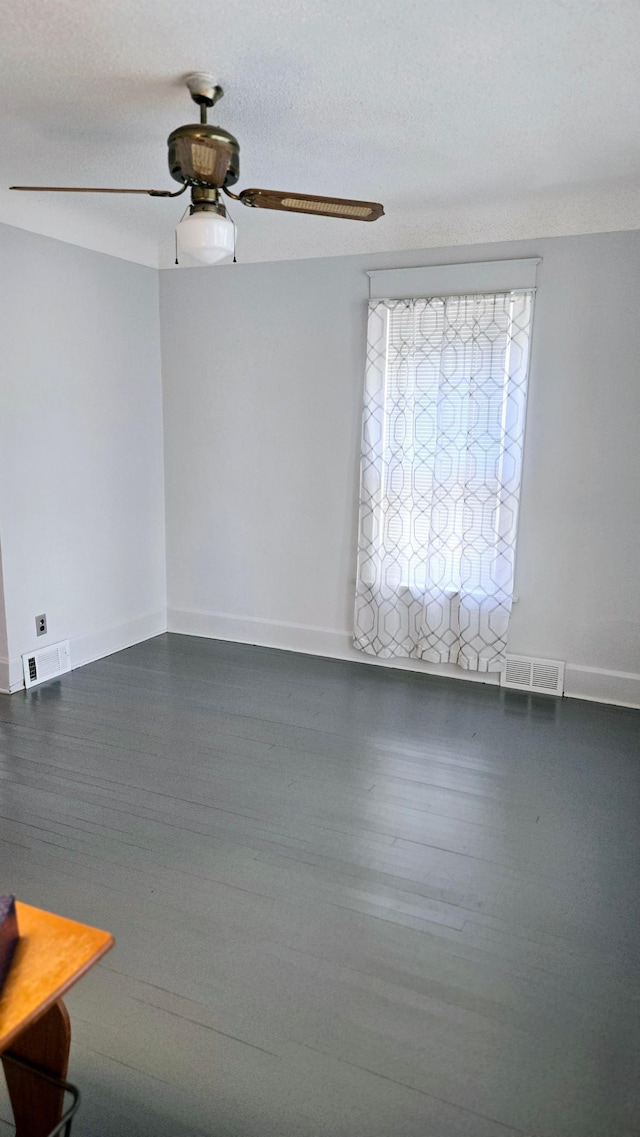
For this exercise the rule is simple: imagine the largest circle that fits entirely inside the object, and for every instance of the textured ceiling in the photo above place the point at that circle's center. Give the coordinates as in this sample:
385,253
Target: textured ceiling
471,120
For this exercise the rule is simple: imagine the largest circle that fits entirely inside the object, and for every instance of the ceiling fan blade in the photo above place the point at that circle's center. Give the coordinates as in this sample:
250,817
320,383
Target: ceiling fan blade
101,189
311,203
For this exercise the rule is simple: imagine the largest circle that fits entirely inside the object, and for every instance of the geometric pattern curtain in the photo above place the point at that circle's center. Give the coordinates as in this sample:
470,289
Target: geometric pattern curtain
443,429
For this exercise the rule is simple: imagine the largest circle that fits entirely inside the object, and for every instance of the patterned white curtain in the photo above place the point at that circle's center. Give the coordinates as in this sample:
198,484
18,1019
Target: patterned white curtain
443,428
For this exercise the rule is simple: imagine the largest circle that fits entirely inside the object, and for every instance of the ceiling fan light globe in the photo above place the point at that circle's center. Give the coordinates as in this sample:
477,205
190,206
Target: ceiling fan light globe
206,237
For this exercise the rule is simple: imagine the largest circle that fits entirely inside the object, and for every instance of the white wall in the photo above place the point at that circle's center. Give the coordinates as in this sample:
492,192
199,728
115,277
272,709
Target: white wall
262,370
262,374
4,642
81,462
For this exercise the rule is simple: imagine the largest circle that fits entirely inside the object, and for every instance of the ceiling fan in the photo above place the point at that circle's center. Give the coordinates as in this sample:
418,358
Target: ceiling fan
206,159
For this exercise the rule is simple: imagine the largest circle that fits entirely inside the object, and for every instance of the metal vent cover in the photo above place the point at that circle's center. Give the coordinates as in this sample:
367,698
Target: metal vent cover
46,663
522,673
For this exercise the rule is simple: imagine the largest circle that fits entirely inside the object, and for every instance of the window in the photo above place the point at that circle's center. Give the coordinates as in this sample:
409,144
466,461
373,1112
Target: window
443,430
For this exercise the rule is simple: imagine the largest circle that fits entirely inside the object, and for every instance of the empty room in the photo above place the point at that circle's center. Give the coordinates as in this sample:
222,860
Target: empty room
319,587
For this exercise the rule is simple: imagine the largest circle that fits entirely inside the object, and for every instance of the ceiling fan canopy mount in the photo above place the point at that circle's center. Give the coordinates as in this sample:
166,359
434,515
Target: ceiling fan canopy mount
203,89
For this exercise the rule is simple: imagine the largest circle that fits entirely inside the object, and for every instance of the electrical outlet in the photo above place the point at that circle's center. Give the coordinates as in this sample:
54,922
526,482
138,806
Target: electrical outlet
41,624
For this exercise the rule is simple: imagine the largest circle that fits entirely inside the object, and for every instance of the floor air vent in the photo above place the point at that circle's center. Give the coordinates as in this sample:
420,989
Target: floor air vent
546,676
46,663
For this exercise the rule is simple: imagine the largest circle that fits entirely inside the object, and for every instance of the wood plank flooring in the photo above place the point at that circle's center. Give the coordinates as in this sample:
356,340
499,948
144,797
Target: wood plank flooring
348,901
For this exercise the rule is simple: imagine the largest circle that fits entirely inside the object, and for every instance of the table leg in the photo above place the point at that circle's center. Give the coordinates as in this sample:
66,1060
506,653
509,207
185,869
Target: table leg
37,1105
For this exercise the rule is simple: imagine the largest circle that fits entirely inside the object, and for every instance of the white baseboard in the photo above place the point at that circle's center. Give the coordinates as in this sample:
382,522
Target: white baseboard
94,645
11,677
620,688
598,685
304,638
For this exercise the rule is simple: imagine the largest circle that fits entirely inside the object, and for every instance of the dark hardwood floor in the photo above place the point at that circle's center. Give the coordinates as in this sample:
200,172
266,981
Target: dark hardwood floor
348,901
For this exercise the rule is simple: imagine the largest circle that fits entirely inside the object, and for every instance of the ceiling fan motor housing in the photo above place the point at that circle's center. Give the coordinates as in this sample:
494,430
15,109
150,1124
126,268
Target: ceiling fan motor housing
204,155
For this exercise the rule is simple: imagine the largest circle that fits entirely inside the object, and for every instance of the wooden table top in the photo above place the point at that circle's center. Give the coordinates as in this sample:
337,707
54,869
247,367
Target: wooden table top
51,955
